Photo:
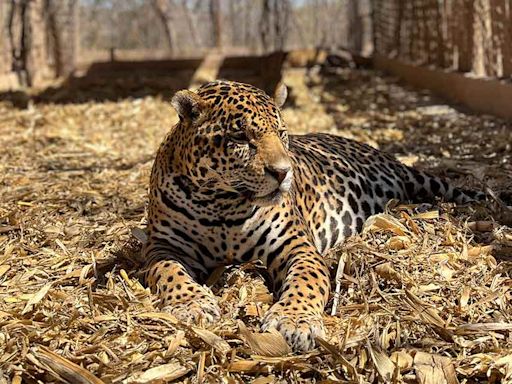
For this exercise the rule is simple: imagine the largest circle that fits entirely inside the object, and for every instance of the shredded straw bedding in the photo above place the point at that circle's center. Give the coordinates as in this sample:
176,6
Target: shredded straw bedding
422,295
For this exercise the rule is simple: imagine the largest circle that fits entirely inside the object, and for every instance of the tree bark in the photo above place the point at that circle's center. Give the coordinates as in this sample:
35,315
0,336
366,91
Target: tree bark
507,36
215,16
355,30
398,28
265,23
4,43
74,37
52,31
16,29
281,23
164,13
439,23
192,25
465,40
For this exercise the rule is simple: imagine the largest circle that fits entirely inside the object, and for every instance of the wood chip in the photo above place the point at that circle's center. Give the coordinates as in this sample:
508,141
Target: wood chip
434,369
62,368
212,339
384,222
386,271
162,373
468,329
402,359
270,343
383,364
34,300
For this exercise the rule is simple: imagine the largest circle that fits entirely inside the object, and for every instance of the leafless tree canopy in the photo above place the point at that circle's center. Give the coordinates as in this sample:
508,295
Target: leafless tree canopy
257,25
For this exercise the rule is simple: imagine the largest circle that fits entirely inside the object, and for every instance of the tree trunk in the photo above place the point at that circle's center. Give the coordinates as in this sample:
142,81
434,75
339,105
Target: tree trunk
37,62
215,16
355,30
440,24
298,29
73,44
265,23
281,23
17,30
26,40
54,36
416,46
466,35
192,25
4,43
507,36
164,13
398,28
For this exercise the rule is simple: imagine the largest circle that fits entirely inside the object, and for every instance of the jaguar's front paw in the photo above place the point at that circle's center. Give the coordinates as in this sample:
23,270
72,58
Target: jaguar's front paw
298,328
195,310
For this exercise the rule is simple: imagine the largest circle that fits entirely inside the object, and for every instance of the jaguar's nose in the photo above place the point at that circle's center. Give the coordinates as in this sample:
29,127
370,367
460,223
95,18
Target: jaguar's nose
278,173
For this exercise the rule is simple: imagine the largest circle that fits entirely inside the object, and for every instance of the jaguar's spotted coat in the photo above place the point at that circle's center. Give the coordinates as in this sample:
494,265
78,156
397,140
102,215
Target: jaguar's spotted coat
230,186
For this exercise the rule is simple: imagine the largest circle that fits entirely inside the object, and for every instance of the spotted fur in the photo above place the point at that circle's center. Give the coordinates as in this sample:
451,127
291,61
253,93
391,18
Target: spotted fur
230,186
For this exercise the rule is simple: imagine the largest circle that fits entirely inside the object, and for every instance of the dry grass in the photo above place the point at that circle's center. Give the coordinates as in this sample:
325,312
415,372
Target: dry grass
424,291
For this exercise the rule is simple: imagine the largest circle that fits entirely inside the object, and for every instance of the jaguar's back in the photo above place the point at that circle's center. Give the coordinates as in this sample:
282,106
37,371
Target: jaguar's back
341,182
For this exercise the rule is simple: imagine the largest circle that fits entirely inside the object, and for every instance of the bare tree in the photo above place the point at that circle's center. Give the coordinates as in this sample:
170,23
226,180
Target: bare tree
54,36
506,36
440,44
282,10
274,25
355,33
465,35
234,21
248,37
163,9
398,27
73,37
192,23
265,25
4,50
25,29
62,35
17,29
215,16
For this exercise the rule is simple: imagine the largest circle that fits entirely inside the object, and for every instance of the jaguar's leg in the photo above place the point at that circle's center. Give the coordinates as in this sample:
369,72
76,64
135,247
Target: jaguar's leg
302,280
179,292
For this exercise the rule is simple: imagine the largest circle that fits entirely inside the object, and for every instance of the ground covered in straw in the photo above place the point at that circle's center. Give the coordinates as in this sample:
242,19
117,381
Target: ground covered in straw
423,294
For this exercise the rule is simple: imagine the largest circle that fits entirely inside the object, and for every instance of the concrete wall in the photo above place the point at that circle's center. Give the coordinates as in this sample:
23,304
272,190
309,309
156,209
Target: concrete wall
491,96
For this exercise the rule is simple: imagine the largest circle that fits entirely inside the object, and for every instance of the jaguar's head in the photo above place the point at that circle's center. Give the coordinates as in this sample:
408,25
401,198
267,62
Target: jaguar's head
234,140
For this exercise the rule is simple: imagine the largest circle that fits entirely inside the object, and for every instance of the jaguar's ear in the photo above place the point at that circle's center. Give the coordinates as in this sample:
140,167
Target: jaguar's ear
188,104
280,94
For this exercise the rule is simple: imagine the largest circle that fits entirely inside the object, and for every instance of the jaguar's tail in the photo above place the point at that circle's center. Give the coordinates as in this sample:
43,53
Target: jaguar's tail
422,185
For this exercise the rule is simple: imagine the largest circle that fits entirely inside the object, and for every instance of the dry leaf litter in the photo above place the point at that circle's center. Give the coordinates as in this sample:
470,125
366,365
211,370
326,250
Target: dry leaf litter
421,296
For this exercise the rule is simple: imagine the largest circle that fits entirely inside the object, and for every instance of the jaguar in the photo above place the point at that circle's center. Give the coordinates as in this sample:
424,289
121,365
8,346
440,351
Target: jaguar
229,185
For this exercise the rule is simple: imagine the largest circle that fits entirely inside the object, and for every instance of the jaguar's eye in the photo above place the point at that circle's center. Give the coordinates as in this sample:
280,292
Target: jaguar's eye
239,137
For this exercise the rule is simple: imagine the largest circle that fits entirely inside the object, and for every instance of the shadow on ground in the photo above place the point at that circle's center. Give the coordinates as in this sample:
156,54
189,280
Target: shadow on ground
117,80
